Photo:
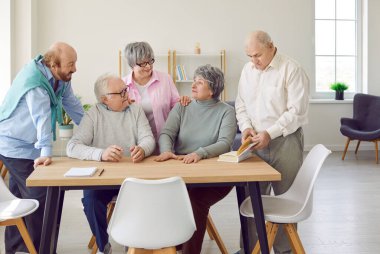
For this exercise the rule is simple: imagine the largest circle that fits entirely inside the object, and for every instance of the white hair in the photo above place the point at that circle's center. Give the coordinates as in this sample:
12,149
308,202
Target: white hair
101,85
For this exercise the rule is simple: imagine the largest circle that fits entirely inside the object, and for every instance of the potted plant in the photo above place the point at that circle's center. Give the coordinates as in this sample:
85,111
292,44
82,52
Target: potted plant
66,128
339,88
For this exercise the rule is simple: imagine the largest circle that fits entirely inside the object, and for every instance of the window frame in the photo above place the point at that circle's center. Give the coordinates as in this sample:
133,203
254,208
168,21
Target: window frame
360,85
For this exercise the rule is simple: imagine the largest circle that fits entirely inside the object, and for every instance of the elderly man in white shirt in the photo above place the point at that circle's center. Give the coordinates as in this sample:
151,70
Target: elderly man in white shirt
271,106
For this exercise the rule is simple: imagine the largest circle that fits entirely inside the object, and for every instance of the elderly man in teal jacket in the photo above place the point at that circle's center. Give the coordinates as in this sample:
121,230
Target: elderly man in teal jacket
28,115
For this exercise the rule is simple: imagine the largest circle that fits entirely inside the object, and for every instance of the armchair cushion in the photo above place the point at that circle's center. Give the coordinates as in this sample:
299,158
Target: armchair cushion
365,124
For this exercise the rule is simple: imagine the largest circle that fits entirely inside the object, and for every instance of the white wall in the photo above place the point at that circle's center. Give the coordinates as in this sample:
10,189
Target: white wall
374,49
98,28
5,47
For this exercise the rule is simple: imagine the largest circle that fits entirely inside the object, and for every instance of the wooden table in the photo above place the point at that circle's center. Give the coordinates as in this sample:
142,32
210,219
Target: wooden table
208,172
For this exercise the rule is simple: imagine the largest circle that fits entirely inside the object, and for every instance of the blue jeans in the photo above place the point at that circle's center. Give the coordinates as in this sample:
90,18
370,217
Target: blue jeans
95,207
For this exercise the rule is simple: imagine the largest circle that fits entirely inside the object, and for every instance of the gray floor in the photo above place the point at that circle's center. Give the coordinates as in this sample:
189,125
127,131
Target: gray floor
345,218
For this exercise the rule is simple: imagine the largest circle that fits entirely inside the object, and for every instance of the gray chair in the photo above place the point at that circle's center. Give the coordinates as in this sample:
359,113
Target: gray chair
365,124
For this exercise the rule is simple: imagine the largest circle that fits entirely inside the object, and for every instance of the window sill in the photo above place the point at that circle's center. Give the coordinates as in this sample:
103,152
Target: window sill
330,101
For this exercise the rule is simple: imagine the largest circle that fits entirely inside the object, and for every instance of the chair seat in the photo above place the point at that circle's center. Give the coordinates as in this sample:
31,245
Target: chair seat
17,208
277,210
363,135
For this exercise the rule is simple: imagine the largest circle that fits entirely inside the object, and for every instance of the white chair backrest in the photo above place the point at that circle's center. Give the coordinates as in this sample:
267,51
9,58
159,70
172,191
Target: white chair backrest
5,194
152,214
302,187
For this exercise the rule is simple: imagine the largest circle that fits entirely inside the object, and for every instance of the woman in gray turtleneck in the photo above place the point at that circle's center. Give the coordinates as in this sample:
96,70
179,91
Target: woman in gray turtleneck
204,129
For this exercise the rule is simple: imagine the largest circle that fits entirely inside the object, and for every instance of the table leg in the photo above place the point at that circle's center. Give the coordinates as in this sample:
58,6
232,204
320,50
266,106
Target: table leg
257,206
60,205
50,219
240,192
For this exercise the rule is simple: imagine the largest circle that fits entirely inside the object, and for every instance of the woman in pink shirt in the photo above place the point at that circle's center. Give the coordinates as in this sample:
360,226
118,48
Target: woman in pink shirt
153,90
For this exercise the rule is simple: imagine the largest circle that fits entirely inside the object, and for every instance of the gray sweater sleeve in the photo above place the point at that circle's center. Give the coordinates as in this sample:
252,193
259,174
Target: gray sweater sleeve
170,131
79,146
145,137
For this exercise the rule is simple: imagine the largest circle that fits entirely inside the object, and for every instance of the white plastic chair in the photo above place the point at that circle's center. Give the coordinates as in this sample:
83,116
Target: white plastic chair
13,209
152,216
294,205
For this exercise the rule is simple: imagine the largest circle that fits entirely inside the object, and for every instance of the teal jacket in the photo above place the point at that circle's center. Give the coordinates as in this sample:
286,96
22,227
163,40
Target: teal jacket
29,78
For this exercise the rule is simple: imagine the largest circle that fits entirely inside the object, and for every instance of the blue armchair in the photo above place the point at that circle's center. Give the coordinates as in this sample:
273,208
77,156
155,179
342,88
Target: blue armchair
365,124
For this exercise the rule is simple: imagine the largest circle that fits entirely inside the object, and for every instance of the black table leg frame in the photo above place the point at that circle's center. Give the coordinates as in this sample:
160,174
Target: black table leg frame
257,206
52,210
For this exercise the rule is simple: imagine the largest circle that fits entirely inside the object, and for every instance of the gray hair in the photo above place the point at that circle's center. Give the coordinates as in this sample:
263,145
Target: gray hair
101,85
214,76
136,52
261,37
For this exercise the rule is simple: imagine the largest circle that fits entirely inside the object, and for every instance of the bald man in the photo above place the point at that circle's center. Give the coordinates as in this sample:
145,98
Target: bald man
28,115
271,108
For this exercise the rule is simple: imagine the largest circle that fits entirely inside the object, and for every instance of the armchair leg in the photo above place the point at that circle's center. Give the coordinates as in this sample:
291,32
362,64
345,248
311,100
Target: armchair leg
377,152
357,147
345,149
294,239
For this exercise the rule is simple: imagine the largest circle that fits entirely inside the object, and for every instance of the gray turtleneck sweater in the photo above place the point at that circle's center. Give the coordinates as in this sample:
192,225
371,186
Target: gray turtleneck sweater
101,128
205,127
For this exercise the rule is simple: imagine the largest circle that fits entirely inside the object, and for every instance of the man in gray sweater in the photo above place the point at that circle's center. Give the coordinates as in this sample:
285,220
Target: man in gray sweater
110,130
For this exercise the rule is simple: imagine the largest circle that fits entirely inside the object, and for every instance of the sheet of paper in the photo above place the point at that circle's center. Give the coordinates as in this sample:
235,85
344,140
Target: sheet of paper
80,172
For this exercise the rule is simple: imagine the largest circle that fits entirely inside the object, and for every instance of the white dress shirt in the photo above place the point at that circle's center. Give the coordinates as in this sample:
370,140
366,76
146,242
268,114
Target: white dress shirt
275,99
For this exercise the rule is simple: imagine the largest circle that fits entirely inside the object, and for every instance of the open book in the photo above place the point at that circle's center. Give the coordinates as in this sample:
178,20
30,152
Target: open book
244,152
80,172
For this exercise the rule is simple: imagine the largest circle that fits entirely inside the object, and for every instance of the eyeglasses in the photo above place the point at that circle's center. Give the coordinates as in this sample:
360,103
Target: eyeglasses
144,64
122,93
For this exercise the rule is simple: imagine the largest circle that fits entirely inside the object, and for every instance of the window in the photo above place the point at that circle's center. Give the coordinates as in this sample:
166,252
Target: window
337,46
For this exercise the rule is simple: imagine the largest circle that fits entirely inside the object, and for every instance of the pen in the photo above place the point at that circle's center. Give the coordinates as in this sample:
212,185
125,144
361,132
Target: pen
101,172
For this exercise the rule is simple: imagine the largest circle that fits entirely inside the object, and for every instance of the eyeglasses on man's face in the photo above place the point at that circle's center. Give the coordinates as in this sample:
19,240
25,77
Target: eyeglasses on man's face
144,64
122,93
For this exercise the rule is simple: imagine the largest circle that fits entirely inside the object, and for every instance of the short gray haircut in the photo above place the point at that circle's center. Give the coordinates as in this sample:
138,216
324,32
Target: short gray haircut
214,76
261,37
136,52
101,85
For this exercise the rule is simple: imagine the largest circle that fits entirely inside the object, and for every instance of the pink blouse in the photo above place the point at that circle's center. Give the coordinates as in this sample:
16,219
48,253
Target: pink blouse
163,95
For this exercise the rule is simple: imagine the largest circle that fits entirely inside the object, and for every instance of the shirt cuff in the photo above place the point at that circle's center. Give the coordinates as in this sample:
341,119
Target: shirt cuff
147,150
274,131
46,151
97,154
245,126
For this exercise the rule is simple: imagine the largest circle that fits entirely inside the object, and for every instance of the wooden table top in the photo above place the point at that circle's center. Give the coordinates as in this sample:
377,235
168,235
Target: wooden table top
205,171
